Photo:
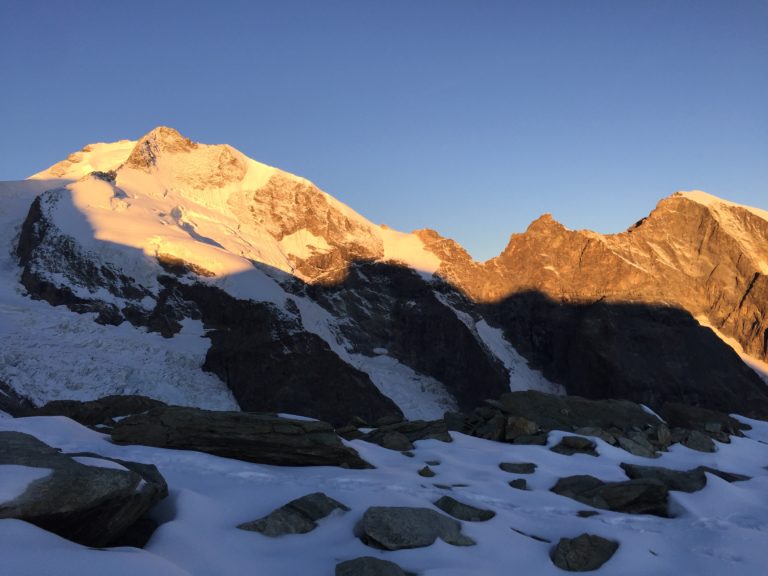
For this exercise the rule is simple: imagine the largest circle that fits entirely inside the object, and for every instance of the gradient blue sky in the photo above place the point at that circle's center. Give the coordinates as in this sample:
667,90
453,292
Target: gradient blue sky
472,117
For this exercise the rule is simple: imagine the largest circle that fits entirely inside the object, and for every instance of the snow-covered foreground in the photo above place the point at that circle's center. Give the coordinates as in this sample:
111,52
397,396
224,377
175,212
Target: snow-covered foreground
722,529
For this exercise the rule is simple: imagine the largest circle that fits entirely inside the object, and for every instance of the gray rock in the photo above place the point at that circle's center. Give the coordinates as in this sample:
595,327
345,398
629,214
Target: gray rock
297,517
518,426
699,441
637,445
99,413
641,496
518,467
583,553
681,480
92,505
597,432
427,472
519,483
401,435
462,511
368,566
260,438
395,528
13,403
570,445
713,423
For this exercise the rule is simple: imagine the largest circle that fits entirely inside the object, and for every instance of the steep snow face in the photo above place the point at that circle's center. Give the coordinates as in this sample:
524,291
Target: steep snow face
221,210
50,353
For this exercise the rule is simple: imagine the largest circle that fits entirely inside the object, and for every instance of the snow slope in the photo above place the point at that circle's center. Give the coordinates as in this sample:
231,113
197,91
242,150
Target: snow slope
722,529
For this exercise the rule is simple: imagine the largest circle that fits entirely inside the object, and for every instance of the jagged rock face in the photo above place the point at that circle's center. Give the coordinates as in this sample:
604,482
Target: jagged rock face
709,260
392,308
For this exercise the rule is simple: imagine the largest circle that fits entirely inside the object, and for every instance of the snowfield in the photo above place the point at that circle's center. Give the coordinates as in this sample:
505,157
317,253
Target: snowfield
722,529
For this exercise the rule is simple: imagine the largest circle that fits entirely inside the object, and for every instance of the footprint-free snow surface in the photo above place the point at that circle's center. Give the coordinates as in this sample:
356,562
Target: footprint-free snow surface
722,529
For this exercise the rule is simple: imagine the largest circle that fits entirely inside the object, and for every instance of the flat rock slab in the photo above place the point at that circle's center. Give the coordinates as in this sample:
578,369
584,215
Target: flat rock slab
641,496
396,528
462,511
570,445
682,480
85,498
368,566
583,553
518,467
297,517
260,438
101,412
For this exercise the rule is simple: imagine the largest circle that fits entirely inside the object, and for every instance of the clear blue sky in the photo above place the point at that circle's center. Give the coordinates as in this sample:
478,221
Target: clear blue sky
472,117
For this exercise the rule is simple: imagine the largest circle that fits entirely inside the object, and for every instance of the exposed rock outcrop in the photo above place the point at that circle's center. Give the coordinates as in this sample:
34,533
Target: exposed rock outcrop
85,498
583,553
261,438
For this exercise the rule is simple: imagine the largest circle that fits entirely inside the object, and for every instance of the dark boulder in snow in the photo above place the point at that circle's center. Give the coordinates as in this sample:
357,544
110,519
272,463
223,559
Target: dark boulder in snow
583,553
715,424
400,436
641,496
395,528
87,499
682,480
297,517
518,467
462,511
101,413
368,566
260,438
570,445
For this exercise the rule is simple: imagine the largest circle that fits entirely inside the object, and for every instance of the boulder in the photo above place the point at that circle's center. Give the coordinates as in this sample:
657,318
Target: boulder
396,528
368,566
427,472
518,467
297,517
462,511
570,445
568,413
637,443
517,426
401,435
90,500
583,553
641,496
681,480
260,438
699,441
519,484
715,424
99,413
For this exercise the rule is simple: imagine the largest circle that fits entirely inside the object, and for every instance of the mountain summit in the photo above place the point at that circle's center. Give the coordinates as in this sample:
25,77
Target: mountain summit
271,294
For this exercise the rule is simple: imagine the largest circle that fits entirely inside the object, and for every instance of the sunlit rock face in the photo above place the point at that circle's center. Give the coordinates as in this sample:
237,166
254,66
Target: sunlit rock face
154,232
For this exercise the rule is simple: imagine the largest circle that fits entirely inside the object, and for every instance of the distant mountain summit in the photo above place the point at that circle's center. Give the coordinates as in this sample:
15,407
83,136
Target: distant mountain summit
305,306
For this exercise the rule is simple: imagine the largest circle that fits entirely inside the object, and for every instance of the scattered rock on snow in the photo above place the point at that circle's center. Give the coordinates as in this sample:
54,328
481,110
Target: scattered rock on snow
368,566
583,553
260,438
297,517
395,528
462,511
89,502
